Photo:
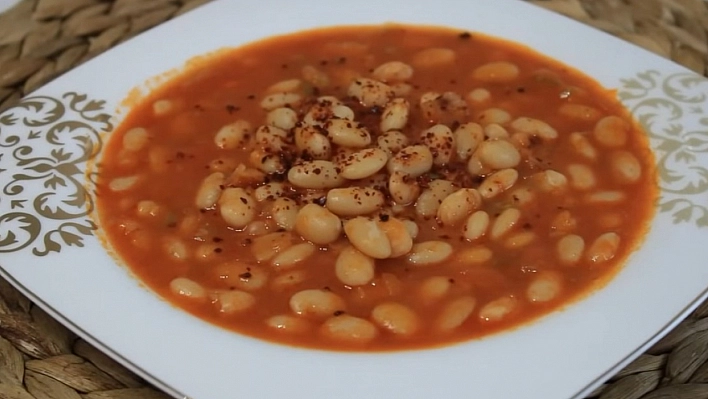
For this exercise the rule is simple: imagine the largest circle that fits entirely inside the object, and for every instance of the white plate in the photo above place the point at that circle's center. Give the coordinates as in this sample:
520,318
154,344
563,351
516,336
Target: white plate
49,253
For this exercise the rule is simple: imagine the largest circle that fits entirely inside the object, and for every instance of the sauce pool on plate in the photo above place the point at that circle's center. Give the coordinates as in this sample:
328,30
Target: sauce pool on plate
376,188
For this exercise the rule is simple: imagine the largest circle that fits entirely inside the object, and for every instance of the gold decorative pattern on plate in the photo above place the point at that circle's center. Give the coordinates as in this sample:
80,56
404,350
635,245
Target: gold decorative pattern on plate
673,109
45,197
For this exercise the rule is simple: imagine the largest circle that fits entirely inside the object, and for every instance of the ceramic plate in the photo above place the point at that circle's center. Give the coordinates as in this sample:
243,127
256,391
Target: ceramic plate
50,250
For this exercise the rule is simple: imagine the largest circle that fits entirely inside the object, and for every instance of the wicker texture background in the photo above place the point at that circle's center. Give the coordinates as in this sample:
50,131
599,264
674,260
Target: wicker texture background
41,39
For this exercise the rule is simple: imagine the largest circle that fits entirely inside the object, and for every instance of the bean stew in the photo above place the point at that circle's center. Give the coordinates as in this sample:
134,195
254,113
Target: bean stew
376,188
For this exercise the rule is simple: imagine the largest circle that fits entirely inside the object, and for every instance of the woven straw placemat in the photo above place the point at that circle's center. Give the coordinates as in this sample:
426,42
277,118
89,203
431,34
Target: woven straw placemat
41,39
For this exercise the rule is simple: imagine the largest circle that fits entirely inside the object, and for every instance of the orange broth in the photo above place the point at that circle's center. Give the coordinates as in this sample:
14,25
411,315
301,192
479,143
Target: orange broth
155,227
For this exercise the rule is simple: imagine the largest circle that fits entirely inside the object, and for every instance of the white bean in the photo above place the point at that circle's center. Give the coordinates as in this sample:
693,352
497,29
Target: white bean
393,71
310,141
392,141
370,92
342,112
256,228
545,287
123,183
430,199
606,197
325,109
611,220
581,176
243,276
316,303
411,161
281,100
396,318
494,131
314,76
354,268
288,324
498,309
237,207
476,226
582,145
479,96
550,181
235,301
474,255
446,108
398,236
354,201
403,189
401,89
570,249
564,222
603,248
265,247
495,116
347,133
366,236
282,118
288,280
520,239
429,252
467,138
294,255
317,224
284,212
441,142
498,182
183,286
222,164
242,175
434,57
534,127
612,131
162,107
496,72
267,161
475,167
434,289
285,86
412,228
363,163
209,191
523,196
135,139
626,167
147,208
506,221
395,115
458,205
316,174
455,313
271,138
175,248
498,154
269,191
349,329
207,252
579,112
